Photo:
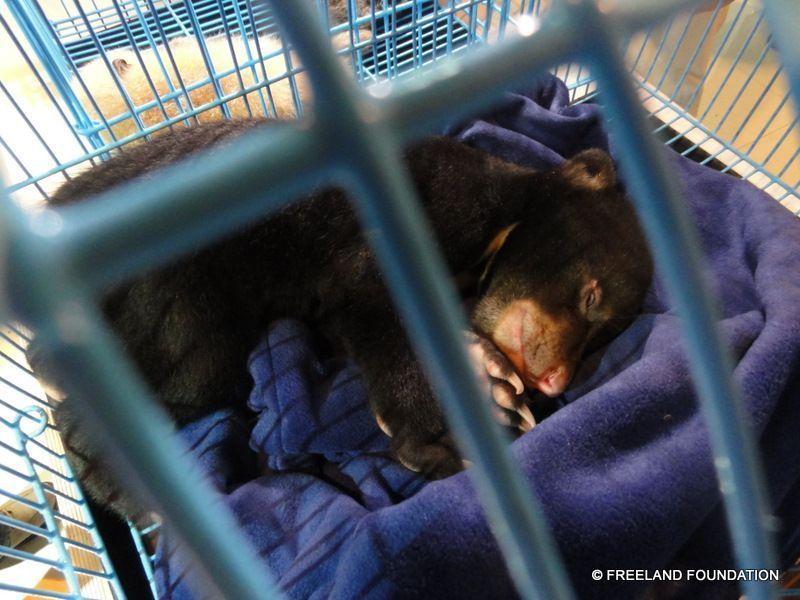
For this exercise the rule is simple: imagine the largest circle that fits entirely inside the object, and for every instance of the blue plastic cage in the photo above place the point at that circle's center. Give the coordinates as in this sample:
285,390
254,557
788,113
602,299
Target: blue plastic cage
711,83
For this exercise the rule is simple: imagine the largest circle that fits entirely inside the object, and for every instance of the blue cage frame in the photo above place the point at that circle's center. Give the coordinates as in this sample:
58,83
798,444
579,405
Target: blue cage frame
51,264
406,35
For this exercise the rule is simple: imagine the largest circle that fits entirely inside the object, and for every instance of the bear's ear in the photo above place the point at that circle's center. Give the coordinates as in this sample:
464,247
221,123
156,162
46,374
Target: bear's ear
120,66
591,169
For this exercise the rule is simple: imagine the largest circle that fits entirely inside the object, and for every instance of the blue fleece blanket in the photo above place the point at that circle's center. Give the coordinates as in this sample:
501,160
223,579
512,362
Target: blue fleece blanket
623,471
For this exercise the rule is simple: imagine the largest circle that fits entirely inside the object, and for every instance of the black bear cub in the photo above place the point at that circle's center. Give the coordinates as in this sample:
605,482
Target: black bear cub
566,267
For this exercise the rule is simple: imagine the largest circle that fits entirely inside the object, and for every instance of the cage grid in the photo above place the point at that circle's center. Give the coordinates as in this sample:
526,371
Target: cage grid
47,530
684,68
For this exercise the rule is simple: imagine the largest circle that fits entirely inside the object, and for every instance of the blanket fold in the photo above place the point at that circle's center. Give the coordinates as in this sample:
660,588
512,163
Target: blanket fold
624,471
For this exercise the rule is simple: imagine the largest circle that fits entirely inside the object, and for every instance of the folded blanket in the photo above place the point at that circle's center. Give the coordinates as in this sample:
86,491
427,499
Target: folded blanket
624,470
